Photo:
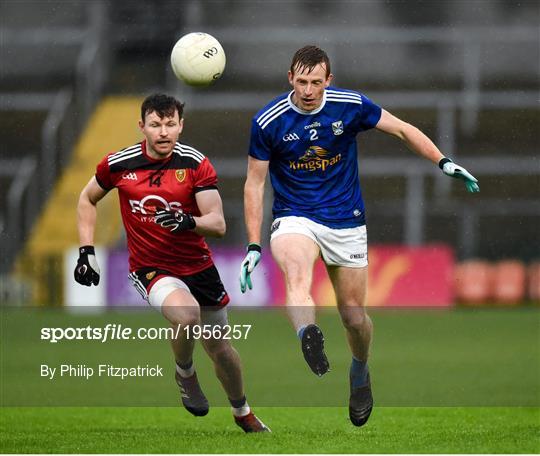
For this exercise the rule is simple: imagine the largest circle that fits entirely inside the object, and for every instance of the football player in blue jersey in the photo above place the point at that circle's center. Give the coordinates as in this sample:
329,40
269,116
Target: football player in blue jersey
306,140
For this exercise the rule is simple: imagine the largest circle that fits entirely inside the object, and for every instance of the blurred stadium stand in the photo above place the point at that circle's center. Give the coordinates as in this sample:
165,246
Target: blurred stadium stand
465,73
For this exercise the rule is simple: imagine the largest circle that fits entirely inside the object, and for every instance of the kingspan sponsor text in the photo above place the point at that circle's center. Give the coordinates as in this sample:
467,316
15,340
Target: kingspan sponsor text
314,164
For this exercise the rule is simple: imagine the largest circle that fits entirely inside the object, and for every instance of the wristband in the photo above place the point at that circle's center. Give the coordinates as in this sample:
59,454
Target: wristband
444,161
87,250
253,247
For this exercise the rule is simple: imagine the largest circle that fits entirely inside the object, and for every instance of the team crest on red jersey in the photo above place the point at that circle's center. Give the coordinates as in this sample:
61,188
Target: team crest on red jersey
150,275
180,175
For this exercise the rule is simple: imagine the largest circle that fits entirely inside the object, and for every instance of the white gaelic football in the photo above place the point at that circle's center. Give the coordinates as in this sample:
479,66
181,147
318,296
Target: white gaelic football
198,59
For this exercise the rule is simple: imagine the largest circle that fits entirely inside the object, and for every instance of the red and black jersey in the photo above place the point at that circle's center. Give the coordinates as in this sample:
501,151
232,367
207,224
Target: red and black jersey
144,185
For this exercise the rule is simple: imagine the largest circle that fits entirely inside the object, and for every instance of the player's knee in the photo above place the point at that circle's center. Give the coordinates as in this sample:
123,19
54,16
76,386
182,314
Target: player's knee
191,321
355,319
183,319
297,279
221,351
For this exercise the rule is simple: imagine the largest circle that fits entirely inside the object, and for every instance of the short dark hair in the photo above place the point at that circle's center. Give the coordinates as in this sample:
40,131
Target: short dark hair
308,58
163,105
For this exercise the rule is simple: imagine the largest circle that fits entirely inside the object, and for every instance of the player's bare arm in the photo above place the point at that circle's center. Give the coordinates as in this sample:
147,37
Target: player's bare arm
212,221
253,198
87,269
414,138
253,214
87,211
418,142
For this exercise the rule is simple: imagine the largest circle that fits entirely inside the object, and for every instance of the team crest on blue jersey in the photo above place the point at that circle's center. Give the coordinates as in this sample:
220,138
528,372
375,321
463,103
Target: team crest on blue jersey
337,127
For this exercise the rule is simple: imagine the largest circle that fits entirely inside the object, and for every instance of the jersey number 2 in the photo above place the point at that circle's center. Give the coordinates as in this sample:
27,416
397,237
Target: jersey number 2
313,134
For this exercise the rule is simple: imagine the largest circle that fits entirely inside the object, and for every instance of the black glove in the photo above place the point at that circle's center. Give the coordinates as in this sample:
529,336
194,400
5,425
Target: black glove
176,221
87,270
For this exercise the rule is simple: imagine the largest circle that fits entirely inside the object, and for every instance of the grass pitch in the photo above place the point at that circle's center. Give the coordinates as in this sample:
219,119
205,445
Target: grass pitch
295,430
457,381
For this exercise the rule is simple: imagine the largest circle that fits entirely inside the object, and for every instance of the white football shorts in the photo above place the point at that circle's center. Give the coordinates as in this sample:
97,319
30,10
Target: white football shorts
166,285
339,247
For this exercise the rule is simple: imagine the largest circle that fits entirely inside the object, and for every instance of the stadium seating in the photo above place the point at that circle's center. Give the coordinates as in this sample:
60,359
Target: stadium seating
505,283
473,282
508,283
533,276
52,233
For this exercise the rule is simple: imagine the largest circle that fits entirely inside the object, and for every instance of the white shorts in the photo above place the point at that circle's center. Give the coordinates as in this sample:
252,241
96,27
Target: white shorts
166,285
339,247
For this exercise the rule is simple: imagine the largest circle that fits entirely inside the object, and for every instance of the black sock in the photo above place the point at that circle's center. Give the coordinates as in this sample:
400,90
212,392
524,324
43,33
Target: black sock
185,366
358,372
238,402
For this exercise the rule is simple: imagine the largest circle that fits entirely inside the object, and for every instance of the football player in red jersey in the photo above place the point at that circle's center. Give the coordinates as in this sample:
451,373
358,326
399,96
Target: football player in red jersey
169,201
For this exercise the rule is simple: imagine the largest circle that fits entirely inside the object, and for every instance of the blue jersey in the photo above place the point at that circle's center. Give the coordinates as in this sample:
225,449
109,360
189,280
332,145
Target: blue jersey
313,157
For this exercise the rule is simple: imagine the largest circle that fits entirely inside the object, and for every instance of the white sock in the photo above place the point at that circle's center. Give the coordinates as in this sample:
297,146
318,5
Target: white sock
241,411
185,373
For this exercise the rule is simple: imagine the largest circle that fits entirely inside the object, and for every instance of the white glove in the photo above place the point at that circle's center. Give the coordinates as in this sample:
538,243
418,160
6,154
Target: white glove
248,265
453,170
